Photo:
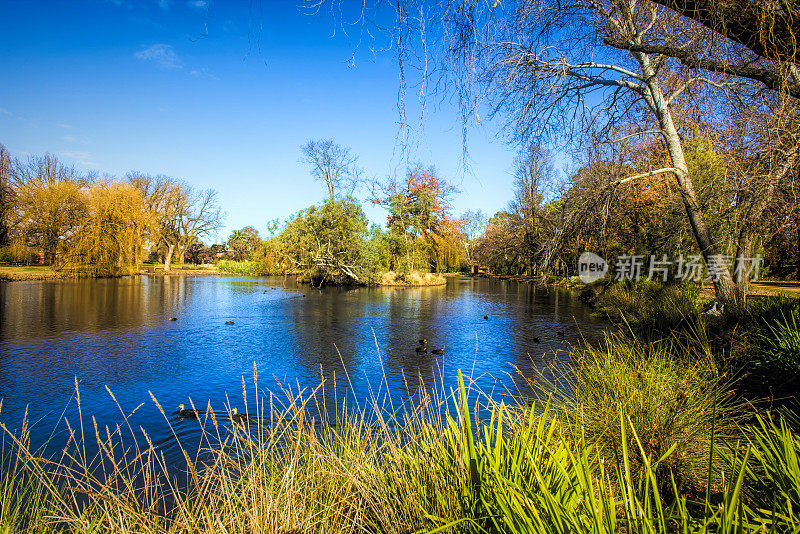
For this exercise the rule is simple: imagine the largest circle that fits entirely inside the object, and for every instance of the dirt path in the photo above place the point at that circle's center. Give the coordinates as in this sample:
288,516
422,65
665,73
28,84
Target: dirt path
764,288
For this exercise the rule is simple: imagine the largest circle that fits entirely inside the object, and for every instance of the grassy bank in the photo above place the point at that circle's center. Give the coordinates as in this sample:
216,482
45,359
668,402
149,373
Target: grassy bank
16,273
243,268
759,343
644,437
411,279
41,272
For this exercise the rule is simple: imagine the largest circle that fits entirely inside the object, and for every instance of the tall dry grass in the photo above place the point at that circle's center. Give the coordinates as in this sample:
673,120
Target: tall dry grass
451,461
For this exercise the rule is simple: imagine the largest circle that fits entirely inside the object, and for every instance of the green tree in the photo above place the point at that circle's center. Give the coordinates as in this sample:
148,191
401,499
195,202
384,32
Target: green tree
243,243
326,242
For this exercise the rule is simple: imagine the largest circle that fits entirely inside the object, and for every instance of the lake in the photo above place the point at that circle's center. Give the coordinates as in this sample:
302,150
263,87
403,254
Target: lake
117,333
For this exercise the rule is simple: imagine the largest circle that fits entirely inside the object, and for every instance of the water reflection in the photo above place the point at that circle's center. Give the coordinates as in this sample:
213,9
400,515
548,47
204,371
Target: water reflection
116,333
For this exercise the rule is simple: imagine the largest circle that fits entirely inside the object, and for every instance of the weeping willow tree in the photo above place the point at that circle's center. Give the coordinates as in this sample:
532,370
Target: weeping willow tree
110,241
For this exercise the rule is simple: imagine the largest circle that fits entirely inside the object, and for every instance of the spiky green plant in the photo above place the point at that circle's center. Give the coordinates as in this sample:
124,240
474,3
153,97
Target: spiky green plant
445,463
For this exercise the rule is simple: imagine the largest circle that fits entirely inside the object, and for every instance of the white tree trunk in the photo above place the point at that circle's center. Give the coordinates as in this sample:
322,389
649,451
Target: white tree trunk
168,258
724,288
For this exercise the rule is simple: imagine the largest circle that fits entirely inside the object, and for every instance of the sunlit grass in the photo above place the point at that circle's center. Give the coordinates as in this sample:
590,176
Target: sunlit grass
451,461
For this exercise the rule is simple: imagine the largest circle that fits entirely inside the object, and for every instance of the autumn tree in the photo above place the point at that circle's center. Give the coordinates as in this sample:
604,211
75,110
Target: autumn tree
49,205
184,214
533,172
473,224
418,219
499,246
109,239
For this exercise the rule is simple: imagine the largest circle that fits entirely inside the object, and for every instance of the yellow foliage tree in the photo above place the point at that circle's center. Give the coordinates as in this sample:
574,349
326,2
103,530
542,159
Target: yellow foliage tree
109,243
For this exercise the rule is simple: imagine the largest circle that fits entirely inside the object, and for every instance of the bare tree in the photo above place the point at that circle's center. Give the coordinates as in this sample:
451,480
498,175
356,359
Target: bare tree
333,165
474,223
5,195
184,214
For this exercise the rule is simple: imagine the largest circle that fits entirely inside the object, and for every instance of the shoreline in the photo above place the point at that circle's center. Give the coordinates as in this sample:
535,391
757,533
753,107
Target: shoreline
39,273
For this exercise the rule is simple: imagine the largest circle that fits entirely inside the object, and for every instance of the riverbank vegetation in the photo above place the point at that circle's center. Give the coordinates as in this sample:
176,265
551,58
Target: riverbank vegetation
87,225
644,437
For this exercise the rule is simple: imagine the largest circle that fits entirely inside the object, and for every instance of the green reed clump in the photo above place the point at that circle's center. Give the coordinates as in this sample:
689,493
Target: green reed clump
671,392
782,342
455,462
761,341
649,306
22,500
773,492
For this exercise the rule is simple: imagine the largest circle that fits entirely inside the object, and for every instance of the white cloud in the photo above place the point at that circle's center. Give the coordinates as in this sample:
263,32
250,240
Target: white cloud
164,4
203,73
162,55
83,158
4,111
198,4
79,139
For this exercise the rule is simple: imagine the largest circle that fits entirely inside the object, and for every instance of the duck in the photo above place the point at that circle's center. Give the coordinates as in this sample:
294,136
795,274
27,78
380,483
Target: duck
237,417
537,339
714,311
423,341
438,351
229,322
187,413
485,316
173,318
423,349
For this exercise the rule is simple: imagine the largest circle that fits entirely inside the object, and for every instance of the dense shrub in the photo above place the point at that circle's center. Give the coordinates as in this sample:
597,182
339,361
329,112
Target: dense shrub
244,268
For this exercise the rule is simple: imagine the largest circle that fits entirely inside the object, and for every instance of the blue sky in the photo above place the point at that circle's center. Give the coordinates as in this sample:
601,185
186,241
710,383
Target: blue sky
179,88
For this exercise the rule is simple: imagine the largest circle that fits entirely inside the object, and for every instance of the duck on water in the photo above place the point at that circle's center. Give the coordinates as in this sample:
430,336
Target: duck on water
237,417
187,413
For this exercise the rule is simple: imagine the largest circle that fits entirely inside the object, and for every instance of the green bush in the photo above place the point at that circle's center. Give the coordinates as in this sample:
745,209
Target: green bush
244,268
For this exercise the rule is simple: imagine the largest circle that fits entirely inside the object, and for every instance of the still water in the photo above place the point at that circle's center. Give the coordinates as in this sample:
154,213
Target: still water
117,333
